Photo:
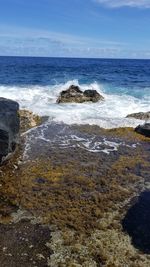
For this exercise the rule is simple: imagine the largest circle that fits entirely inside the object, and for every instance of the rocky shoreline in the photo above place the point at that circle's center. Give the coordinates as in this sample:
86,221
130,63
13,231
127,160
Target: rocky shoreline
65,204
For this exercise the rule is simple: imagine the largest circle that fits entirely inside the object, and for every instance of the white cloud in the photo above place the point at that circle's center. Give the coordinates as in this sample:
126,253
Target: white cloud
125,3
22,41
50,36
31,42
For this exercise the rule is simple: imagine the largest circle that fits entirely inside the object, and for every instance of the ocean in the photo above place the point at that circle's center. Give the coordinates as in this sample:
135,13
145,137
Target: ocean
36,83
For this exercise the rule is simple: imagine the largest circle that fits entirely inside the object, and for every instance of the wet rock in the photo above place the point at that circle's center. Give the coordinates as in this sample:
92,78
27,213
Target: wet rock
74,95
24,244
6,209
4,141
74,190
93,95
143,129
9,126
28,120
137,222
140,115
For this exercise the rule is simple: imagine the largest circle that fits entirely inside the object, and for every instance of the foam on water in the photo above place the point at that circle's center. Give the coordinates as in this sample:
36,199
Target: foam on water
60,136
110,113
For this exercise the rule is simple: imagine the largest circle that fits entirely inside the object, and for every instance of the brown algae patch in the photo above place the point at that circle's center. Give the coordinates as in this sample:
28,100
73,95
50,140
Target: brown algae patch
75,195
83,197
127,133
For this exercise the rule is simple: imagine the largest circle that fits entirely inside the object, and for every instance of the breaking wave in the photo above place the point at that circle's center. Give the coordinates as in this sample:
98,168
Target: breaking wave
110,113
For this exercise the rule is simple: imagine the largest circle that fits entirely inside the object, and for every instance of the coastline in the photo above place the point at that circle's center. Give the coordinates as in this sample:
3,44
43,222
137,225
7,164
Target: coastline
76,191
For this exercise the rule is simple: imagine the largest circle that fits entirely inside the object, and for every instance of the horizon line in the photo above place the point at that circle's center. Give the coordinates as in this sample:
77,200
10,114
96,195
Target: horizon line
63,57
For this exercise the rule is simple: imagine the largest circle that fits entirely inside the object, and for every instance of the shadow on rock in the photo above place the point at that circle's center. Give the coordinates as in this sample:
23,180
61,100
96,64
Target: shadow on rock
137,223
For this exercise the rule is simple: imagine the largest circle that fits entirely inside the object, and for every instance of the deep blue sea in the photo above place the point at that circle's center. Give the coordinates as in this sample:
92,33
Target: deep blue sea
36,83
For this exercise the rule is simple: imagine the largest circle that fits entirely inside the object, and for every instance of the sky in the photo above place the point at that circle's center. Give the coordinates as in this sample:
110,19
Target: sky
75,28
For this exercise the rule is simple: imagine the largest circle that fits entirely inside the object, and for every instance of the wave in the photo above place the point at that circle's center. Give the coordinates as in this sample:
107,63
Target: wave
107,114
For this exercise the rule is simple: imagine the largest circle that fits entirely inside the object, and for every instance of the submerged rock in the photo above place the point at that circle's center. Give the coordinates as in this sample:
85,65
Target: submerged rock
140,115
74,95
9,126
143,129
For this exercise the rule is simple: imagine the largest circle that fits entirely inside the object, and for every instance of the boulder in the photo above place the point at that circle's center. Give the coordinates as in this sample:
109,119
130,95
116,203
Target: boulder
143,129
9,126
74,95
140,115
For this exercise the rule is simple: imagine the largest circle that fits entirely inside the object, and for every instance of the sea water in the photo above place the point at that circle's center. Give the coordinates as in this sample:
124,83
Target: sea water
37,82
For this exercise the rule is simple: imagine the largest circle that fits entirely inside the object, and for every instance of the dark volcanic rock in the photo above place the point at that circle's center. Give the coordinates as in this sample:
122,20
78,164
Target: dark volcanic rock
140,115
74,95
143,129
9,126
137,222
4,140
93,95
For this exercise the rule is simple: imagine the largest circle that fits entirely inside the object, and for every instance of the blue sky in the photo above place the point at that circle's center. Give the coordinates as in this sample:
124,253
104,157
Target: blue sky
75,28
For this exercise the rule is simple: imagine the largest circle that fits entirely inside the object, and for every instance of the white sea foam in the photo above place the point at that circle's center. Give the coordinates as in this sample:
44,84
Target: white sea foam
58,135
108,114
